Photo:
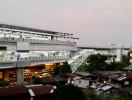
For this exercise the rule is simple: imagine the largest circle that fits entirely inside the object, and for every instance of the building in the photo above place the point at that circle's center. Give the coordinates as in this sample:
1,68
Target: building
111,52
130,55
25,52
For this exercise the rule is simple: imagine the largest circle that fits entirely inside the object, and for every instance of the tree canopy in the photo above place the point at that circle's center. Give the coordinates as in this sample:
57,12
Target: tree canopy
98,62
62,69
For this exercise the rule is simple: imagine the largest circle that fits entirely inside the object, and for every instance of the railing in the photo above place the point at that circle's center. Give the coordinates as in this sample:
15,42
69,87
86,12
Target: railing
12,39
7,59
80,58
43,58
12,59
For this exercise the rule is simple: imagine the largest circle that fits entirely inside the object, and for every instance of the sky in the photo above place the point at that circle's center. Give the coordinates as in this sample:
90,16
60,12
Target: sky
95,22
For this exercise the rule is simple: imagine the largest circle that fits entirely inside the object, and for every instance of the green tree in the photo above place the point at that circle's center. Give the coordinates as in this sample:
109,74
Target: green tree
125,60
90,95
66,68
97,62
62,69
57,70
36,80
86,68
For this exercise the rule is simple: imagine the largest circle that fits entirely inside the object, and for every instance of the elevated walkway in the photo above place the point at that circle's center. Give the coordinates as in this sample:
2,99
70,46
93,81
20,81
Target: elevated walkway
80,58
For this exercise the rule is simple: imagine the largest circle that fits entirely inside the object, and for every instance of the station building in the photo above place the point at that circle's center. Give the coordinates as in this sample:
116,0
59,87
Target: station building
27,52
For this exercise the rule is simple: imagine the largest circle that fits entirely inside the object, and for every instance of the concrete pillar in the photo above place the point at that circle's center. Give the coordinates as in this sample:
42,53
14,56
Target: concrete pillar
20,75
119,54
52,38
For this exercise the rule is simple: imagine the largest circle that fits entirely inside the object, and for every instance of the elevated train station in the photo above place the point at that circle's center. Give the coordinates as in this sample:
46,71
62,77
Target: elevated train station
25,52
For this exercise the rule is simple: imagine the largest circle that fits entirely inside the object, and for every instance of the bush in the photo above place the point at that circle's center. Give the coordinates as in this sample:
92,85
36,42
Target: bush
90,95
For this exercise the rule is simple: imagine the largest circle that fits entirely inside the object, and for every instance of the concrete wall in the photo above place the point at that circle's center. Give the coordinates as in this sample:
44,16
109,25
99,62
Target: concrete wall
10,46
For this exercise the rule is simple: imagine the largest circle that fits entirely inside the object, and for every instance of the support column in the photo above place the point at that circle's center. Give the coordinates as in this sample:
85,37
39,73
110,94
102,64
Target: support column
52,38
20,75
119,54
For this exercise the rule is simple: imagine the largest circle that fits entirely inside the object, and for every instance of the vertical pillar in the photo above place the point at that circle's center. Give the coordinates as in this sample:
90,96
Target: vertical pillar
72,53
20,75
119,55
52,38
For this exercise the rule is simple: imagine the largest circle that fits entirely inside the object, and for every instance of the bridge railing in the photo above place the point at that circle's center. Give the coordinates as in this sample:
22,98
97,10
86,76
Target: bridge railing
80,58
12,39
13,58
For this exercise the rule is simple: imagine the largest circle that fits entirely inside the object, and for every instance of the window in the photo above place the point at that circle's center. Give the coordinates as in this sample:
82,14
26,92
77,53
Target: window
3,48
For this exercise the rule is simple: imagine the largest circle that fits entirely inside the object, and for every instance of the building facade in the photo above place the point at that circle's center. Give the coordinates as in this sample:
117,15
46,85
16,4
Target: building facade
130,55
25,52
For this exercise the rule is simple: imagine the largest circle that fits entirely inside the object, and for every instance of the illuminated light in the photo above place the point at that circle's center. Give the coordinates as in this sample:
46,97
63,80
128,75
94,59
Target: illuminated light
61,63
52,91
36,72
131,60
27,70
130,54
44,74
48,64
31,92
131,48
40,76
54,87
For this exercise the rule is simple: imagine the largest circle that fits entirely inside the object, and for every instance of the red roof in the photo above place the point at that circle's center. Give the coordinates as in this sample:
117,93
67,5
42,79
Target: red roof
13,91
42,90
37,90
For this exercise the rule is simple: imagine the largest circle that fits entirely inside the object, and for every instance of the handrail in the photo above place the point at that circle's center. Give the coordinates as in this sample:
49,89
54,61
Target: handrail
79,59
12,39
11,59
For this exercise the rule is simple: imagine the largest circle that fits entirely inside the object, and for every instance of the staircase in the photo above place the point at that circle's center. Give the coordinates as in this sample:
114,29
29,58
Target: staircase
80,58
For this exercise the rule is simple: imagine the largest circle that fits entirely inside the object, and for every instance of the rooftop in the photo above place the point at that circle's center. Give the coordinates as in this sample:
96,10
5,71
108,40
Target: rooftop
32,29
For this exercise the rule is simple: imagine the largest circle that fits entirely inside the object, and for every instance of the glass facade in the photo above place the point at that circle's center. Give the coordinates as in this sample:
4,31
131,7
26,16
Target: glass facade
14,56
7,56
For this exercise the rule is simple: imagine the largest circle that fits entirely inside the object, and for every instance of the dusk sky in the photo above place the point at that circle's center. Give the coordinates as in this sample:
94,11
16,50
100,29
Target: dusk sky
95,22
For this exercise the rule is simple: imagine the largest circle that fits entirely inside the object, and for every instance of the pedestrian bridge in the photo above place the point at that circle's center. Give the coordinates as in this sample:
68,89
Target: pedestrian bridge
84,52
79,58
